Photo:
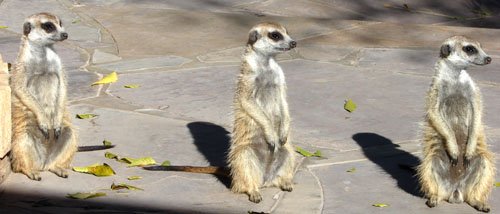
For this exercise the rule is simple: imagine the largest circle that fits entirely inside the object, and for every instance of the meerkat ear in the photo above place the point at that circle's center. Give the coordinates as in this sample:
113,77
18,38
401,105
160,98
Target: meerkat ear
253,37
445,51
26,28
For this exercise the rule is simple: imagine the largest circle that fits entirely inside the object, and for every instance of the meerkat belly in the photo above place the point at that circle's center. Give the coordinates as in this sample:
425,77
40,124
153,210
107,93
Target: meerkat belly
268,98
45,87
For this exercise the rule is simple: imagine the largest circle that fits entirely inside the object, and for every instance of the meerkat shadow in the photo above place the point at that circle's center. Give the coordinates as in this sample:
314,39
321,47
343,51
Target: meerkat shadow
399,164
213,142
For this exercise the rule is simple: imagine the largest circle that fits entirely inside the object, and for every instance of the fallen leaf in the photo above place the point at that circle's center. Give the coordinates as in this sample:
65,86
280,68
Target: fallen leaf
85,195
131,178
306,153
145,161
106,143
380,205
165,163
351,170
349,105
497,184
3,27
124,186
96,169
110,78
132,86
75,21
110,155
86,116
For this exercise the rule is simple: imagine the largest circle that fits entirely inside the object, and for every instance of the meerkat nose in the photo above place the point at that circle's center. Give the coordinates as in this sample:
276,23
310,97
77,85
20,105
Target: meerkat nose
64,35
293,44
487,60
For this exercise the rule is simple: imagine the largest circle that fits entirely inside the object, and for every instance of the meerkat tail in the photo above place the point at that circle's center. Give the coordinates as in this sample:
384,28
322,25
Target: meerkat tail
215,170
94,148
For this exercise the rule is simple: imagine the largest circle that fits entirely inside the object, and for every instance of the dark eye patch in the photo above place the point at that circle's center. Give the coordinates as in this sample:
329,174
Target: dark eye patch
60,23
275,36
469,49
49,27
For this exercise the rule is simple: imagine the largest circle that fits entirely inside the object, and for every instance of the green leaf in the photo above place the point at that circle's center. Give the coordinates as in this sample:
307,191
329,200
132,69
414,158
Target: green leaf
132,86
124,186
86,116
75,21
106,143
351,170
497,184
349,105
110,155
131,178
3,27
96,169
85,195
306,153
165,163
380,205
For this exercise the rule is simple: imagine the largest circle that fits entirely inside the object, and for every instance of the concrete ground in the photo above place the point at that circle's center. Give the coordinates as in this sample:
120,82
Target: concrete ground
185,56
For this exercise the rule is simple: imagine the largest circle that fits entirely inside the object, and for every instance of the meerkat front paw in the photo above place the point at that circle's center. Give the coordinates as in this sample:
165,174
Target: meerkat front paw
44,128
273,140
453,156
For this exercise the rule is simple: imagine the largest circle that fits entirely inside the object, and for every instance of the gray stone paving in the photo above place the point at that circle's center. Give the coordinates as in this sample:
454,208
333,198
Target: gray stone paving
185,56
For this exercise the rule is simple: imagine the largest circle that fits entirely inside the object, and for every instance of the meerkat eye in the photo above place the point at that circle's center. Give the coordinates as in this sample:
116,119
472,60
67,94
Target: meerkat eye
469,49
49,27
276,36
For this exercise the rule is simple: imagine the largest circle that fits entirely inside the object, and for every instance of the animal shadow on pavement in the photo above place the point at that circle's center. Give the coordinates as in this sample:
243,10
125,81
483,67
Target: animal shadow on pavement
213,142
384,152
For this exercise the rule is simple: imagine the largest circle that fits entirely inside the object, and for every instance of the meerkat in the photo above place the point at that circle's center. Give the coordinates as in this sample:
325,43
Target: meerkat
42,135
260,153
457,165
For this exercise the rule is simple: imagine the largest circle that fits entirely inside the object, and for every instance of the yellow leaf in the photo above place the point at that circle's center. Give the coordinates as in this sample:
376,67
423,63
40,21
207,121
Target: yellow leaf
131,178
132,86
351,170
106,143
110,78
75,21
84,195
145,161
3,27
380,205
124,186
86,116
349,105
497,184
96,169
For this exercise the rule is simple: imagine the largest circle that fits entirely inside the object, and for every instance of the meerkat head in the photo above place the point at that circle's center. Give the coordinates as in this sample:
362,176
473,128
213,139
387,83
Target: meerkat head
270,39
44,28
462,52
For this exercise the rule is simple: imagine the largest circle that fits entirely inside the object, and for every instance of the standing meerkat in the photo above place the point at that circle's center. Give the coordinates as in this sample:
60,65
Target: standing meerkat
260,152
457,165
42,136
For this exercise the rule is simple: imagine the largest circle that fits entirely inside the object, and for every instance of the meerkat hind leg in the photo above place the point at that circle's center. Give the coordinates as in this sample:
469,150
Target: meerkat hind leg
61,153
479,176
283,169
247,171
27,156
